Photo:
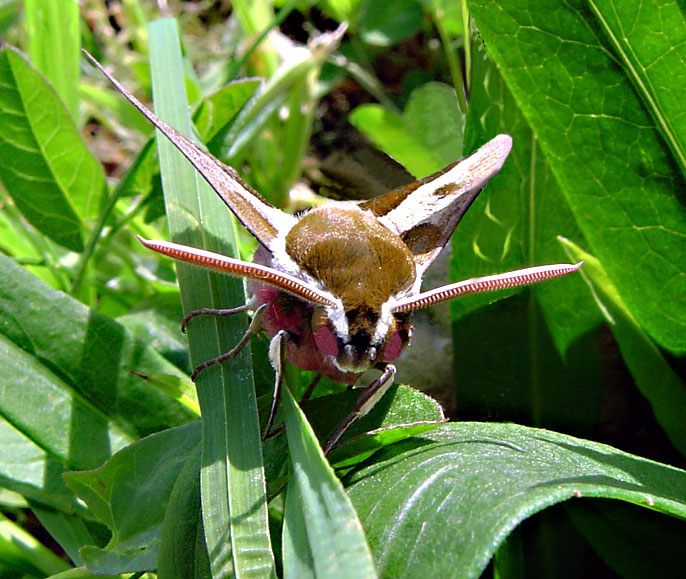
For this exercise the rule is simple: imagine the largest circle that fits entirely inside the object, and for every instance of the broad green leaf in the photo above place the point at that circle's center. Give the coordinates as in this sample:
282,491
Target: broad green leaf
157,321
460,489
70,531
648,38
401,413
55,46
46,409
44,164
130,494
232,479
425,138
387,131
401,405
432,114
518,359
322,536
654,376
29,469
600,138
507,368
515,221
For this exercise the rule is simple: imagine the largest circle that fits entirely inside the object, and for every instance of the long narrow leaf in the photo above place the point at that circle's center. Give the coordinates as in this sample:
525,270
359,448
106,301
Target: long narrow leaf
232,479
322,534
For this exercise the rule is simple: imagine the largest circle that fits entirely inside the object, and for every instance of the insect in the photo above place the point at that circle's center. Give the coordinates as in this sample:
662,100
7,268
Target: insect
334,288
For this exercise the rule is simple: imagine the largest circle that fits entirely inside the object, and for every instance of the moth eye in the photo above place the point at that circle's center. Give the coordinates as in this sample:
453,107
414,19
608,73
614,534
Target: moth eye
393,347
326,341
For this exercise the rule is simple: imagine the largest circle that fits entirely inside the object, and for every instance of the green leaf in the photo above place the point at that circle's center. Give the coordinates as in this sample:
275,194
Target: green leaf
401,413
15,241
601,140
343,10
44,164
648,37
636,543
182,528
23,553
10,10
219,108
55,47
516,220
69,531
90,354
507,368
322,536
28,469
433,114
130,494
388,22
106,106
461,488
520,358
425,138
48,411
401,405
232,480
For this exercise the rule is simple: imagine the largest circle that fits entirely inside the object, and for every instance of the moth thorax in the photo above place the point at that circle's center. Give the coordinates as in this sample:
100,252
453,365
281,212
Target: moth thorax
350,254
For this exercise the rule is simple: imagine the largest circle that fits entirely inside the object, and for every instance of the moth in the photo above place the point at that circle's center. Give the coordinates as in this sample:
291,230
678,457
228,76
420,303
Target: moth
335,287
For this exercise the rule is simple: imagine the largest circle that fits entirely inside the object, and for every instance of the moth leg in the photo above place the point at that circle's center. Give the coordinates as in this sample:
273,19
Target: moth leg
367,400
254,328
312,386
215,312
305,396
277,358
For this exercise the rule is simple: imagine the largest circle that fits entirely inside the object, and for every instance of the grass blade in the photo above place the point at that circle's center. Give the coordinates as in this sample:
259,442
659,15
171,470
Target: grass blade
232,479
322,535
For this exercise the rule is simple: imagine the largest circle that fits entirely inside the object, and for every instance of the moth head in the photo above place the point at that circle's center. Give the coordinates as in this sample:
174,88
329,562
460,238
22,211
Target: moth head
358,338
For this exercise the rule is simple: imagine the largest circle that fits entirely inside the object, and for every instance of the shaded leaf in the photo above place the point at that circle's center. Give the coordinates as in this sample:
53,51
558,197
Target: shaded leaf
130,494
654,377
388,22
89,353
